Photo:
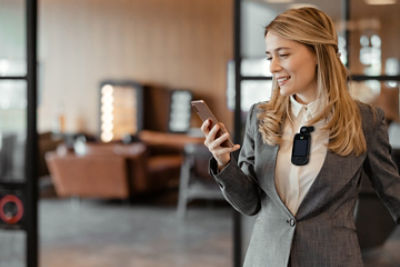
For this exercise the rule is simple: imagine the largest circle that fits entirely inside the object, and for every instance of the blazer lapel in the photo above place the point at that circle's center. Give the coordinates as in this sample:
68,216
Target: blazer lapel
336,172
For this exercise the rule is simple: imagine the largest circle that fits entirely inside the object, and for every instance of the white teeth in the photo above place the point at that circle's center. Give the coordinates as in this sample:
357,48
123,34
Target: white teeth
283,79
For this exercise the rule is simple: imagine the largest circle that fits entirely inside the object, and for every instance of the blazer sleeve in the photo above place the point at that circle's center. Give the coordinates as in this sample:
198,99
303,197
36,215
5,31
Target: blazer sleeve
381,169
237,180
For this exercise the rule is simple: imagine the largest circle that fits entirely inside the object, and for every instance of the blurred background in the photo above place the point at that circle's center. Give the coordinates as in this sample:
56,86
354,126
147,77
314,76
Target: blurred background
120,169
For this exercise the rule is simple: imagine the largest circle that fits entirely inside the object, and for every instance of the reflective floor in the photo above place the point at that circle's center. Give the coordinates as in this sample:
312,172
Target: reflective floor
93,233
96,234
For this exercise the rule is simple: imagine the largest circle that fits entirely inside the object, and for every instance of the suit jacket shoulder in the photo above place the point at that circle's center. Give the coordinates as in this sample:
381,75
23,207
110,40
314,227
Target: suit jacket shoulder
370,116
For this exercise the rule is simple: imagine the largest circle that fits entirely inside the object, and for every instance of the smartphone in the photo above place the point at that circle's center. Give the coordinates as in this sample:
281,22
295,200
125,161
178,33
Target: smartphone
205,113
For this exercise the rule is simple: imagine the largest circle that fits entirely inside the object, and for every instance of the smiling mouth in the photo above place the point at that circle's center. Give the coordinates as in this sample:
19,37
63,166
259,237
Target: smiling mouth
283,80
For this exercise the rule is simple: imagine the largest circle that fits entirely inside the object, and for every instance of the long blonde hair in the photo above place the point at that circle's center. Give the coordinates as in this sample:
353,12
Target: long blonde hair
313,28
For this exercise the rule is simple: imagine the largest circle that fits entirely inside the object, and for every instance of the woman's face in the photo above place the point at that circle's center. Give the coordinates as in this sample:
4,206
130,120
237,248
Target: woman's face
293,66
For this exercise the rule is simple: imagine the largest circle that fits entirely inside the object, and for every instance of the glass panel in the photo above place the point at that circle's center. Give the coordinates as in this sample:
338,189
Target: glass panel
374,37
12,38
253,91
256,14
13,104
12,248
379,94
180,111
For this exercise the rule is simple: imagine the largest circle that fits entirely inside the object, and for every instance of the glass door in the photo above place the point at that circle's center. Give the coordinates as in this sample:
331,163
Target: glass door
17,128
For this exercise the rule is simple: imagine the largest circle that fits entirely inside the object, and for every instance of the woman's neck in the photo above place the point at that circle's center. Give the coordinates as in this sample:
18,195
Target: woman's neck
302,99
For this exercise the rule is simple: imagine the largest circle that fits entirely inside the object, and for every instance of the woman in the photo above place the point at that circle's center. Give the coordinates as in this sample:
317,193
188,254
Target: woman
305,212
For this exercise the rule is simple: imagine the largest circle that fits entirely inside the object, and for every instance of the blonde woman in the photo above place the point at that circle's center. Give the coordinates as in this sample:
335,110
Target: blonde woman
303,191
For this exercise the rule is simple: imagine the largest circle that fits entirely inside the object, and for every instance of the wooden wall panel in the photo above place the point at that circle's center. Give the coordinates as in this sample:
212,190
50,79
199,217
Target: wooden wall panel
167,43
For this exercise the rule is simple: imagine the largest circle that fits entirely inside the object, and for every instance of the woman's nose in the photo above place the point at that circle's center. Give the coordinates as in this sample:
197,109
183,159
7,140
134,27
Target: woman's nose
274,66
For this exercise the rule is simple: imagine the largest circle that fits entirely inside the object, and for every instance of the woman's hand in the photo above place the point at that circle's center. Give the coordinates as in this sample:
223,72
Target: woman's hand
213,143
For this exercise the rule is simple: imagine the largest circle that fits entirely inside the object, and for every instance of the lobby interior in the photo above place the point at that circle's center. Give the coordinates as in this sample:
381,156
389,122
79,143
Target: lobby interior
122,172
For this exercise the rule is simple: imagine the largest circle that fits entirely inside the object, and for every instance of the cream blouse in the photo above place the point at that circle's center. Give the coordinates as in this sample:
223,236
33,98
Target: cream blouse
292,181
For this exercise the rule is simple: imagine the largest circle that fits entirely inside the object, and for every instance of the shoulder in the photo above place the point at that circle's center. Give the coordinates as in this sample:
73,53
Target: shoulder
372,117
255,111
258,107
253,115
369,113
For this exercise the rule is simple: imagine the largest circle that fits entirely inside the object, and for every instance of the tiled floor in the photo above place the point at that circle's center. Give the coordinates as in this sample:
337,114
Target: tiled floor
94,234
91,233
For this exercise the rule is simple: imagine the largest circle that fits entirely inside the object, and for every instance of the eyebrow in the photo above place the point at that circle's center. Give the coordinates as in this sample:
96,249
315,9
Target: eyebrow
277,49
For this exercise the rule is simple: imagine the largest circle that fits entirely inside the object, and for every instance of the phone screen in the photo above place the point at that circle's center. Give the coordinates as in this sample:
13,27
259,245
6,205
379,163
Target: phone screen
300,147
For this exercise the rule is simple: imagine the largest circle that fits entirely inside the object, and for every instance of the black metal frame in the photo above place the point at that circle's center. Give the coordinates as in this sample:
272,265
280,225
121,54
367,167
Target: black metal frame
376,78
32,252
355,77
13,78
236,218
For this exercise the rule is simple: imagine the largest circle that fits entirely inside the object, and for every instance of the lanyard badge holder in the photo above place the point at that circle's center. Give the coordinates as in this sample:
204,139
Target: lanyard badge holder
301,146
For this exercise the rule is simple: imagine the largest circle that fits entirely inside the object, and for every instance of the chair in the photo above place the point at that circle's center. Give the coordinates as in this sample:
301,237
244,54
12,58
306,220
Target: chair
195,181
7,149
165,154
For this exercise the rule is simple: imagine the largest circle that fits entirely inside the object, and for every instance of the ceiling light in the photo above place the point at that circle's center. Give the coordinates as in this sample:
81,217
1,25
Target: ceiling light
279,1
380,2
300,5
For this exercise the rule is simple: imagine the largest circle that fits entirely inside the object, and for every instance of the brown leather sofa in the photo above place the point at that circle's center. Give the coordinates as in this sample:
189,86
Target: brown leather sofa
115,170
101,170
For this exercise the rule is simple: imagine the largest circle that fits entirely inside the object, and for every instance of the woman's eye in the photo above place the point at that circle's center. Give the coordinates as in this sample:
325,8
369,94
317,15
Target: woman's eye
269,58
284,55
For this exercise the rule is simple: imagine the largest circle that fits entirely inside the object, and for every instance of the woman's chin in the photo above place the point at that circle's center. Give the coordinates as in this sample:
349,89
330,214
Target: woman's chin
284,92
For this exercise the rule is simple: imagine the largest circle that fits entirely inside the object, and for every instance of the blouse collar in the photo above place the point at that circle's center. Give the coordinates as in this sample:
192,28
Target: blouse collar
311,109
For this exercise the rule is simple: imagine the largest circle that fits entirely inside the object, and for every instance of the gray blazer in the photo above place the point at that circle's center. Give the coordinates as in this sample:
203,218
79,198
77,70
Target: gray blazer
323,232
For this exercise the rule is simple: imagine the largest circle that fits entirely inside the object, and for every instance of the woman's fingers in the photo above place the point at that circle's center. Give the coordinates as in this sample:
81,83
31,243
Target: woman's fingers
205,127
223,127
214,143
212,135
218,142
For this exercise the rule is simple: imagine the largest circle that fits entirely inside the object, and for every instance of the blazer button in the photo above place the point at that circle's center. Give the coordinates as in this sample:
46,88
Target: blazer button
292,222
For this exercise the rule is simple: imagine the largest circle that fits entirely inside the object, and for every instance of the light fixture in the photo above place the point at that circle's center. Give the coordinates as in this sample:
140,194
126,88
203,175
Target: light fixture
107,116
380,2
300,5
278,1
